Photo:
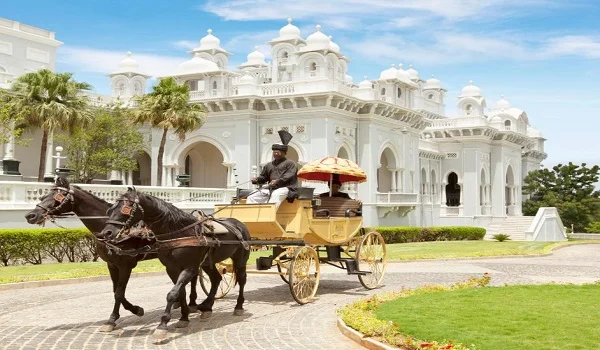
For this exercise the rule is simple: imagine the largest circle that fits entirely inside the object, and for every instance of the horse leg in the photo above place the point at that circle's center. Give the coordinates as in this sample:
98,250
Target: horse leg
120,278
215,279
180,278
193,294
239,262
124,275
110,324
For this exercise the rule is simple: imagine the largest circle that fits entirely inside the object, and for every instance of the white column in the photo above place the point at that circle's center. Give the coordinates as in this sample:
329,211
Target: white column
122,176
114,175
443,192
9,147
462,188
130,177
394,182
168,176
49,169
230,174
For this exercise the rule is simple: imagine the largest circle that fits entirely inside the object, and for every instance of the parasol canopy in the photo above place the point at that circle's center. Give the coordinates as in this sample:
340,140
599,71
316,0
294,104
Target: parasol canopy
325,168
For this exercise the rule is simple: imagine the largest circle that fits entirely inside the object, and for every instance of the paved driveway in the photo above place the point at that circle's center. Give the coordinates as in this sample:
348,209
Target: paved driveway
68,316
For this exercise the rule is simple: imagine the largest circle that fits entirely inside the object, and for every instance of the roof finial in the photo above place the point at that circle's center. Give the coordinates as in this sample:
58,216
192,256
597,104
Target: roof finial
209,31
128,53
330,37
256,47
289,20
365,77
470,82
393,65
318,27
400,65
502,96
410,66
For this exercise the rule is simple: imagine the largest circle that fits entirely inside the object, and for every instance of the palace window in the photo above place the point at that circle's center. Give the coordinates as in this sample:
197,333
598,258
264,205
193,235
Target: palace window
399,92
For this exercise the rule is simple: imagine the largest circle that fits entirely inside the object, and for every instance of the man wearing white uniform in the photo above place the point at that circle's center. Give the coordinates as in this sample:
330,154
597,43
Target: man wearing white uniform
278,177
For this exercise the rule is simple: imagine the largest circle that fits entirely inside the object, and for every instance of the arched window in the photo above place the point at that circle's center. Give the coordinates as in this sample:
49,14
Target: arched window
452,191
313,66
399,92
382,91
468,109
214,85
507,125
284,55
430,97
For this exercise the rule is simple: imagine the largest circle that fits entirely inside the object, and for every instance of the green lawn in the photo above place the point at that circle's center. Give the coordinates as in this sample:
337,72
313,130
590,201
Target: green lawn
404,251
513,317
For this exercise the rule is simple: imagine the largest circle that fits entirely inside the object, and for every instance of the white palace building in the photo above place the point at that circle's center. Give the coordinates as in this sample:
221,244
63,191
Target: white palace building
424,168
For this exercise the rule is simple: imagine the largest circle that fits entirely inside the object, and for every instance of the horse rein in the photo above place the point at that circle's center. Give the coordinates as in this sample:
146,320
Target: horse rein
62,196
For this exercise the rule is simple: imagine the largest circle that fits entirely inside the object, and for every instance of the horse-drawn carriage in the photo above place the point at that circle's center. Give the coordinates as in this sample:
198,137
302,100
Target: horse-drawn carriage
308,230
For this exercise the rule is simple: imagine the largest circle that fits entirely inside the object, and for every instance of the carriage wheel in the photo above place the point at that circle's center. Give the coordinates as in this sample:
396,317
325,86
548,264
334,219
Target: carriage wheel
304,274
370,256
225,268
283,267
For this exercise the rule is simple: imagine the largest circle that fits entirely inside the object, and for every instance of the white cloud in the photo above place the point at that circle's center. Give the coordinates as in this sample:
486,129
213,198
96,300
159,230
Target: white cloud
250,10
106,61
578,45
185,44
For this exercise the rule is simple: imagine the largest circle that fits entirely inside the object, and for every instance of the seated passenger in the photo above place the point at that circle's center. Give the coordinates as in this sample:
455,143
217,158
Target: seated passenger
335,190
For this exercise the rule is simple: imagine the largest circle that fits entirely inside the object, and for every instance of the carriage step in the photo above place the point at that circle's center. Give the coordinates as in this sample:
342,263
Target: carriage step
352,268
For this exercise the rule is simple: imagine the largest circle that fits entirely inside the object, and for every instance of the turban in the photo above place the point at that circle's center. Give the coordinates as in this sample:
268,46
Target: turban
285,137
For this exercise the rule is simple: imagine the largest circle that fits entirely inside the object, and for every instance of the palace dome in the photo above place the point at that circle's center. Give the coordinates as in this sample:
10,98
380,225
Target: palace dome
197,65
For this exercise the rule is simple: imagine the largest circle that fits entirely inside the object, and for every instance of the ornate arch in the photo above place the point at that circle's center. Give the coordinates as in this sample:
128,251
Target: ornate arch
349,150
512,169
221,60
309,58
266,153
485,175
393,148
458,175
179,151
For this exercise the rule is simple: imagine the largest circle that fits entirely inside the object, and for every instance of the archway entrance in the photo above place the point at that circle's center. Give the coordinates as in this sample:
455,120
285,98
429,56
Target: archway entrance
204,164
141,176
509,191
452,191
387,173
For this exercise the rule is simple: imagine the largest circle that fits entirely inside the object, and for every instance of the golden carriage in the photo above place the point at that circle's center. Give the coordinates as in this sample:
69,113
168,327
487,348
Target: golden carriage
306,231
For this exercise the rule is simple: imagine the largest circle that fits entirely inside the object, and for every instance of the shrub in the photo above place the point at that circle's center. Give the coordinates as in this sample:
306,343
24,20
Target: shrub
501,237
35,245
406,234
593,227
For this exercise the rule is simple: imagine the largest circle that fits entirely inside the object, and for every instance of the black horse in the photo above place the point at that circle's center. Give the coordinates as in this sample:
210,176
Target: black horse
64,198
184,243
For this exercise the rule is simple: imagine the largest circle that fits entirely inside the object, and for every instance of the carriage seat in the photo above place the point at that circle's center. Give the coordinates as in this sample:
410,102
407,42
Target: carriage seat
300,193
213,226
338,207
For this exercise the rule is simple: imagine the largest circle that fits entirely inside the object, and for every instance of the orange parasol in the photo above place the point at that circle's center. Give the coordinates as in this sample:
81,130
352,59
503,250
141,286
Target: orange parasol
325,168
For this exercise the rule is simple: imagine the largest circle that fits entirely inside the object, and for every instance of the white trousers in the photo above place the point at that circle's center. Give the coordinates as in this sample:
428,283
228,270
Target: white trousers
278,196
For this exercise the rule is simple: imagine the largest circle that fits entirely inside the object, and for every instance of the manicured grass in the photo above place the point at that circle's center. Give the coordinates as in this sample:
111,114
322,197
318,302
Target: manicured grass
404,251
512,317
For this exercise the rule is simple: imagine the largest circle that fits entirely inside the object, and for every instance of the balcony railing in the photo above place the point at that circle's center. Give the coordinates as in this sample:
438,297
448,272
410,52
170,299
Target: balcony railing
397,198
25,195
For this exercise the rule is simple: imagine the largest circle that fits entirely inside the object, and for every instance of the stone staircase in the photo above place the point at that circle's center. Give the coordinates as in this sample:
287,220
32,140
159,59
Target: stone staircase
515,226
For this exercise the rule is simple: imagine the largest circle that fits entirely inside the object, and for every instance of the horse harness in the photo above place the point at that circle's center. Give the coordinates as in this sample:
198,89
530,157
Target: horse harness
62,196
203,232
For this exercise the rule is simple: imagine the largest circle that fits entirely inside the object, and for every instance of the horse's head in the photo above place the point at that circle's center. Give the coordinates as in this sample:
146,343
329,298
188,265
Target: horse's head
58,201
122,216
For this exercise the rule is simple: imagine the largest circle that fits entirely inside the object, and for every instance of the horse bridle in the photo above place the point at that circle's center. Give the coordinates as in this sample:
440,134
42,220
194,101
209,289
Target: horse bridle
128,210
62,196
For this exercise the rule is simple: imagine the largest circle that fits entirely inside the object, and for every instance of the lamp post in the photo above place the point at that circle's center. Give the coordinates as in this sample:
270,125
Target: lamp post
58,170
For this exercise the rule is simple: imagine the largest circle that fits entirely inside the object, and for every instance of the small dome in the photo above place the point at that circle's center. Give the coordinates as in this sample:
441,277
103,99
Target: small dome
197,65
533,132
247,79
414,75
389,74
256,58
128,64
318,40
470,90
401,74
432,83
365,84
348,79
290,31
502,104
210,41
333,46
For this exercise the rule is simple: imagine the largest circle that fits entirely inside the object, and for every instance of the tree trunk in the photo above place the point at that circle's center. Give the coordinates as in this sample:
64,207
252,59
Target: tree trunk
43,151
161,152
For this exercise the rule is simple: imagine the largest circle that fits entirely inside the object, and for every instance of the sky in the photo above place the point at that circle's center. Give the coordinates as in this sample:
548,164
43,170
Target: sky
542,55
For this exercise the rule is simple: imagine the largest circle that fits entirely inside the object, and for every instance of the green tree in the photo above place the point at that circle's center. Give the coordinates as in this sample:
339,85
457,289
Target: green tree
50,101
167,107
7,118
109,142
570,188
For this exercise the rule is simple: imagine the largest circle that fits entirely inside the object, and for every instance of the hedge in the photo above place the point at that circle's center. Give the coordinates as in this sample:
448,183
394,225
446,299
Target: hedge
406,234
35,245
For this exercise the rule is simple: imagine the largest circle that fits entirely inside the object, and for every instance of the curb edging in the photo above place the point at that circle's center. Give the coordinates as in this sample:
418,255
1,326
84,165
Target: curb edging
361,339
66,281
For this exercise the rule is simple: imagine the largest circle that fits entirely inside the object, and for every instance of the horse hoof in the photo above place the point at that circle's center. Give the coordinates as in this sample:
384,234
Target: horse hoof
205,315
182,324
160,334
238,312
193,308
107,328
140,312
176,305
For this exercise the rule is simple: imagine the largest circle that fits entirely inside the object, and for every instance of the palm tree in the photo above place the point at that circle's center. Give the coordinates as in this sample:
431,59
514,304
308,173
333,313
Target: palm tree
50,101
167,107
